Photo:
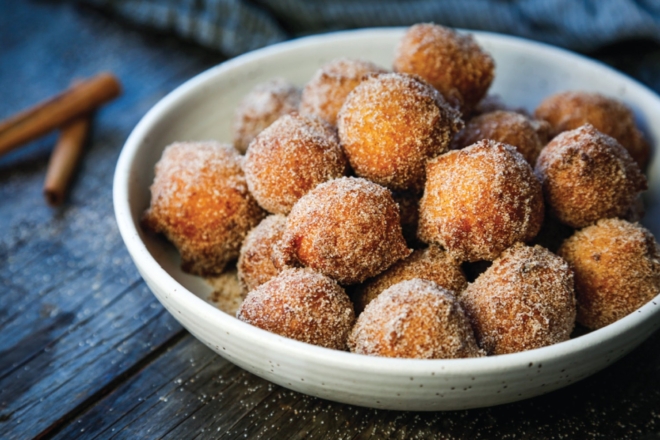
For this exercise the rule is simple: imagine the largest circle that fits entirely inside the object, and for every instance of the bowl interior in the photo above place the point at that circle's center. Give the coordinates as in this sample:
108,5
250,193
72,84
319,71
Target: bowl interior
203,108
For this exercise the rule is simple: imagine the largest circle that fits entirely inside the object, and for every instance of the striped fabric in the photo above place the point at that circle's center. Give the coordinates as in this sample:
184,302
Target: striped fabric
236,26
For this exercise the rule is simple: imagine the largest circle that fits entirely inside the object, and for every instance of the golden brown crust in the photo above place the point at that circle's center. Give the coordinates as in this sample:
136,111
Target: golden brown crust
326,92
617,270
255,265
451,62
414,319
525,300
290,158
261,107
586,176
570,110
200,201
432,264
391,124
506,127
347,229
480,200
303,305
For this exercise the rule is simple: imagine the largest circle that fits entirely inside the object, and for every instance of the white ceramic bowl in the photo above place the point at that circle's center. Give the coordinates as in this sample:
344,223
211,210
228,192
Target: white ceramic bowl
202,108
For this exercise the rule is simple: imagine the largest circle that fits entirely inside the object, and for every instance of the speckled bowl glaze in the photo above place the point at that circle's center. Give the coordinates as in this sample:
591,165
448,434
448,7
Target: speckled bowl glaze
202,108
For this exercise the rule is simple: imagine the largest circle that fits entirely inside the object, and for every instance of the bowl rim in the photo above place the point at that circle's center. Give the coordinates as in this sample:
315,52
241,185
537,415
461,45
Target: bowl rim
128,229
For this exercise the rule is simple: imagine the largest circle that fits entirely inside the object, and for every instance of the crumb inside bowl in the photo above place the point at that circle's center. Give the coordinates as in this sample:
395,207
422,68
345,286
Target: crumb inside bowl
202,109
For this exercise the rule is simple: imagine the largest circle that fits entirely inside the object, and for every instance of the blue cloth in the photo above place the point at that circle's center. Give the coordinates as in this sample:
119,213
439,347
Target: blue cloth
236,26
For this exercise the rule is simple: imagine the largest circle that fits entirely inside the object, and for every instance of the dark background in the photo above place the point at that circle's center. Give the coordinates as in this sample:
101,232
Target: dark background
86,350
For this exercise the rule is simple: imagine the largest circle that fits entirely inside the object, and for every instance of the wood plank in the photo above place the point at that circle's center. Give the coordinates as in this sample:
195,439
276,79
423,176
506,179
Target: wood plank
75,367
74,314
123,409
223,402
185,373
80,293
189,385
188,392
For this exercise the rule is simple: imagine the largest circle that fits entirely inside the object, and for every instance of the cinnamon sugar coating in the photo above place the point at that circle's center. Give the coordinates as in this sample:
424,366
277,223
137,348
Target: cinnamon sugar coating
347,229
586,176
303,305
262,106
432,264
255,265
525,300
200,201
291,157
451,62
509,128
326,92
391,124
617,270
569,110
480,200
414,319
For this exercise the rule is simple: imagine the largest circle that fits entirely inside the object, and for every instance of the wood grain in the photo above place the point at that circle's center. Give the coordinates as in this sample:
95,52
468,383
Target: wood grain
190,393
74,314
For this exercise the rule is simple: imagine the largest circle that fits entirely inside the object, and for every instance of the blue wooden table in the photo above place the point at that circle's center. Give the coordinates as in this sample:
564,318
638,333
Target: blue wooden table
86,351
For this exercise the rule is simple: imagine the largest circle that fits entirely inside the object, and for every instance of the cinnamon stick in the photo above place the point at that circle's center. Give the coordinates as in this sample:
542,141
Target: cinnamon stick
79,99
64,159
